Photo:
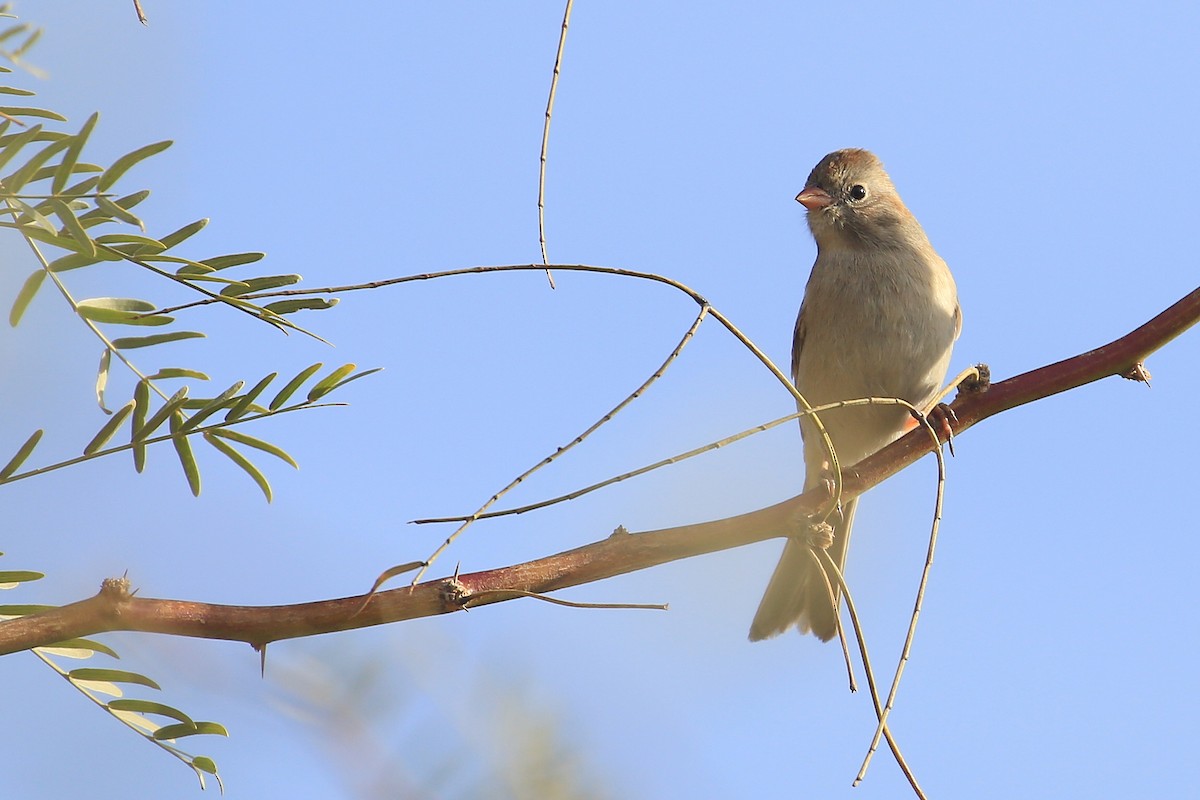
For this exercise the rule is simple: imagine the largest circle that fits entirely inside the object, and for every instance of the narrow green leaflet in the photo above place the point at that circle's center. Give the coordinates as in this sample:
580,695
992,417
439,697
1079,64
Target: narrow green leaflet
356,376
28,43
121,310
113,309
211,407
213,279
301,304
205,763
294,384
76,260
48,172
111,676
25,173
261,284
23,610
97,216
183,234
170,407
103,436
86,186
141,407
131,342
15,144
74,228
102,378
329,382
150,707
247,400
30,216
233,260
116,212
21,111
83,645
25,296
15,29
237,458
178,372
250,441
67,165
23,453
148,242
127,161
187,459
12,578
178,731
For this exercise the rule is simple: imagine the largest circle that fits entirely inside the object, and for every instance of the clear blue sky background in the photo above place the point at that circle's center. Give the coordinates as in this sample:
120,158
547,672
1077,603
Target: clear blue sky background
1047,148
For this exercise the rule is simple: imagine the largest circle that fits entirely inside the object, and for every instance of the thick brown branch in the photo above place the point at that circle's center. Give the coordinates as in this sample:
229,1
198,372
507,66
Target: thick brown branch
115,609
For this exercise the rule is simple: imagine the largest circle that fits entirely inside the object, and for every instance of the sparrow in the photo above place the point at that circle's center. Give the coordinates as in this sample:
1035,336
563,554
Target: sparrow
879,318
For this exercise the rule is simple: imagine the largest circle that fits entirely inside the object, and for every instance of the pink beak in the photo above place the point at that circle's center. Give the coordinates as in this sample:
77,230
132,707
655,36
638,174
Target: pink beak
814,199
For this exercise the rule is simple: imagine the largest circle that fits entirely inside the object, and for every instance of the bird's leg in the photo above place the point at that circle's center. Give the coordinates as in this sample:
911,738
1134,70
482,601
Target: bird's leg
942,418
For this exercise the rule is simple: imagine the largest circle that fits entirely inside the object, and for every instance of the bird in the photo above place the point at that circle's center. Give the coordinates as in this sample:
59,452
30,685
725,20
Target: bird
879,318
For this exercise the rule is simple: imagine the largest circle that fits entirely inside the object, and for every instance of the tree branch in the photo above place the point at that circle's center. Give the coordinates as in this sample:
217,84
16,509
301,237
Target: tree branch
115,608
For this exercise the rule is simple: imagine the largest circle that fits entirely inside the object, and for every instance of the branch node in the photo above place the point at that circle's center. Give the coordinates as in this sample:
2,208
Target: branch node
976,382
619,531
819,535
455,593
116,594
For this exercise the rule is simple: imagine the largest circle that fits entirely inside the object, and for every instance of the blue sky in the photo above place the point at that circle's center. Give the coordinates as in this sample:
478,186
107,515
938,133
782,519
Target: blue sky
1047,150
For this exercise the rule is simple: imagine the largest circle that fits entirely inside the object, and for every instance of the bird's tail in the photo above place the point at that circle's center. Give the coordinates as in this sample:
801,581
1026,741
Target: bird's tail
800,590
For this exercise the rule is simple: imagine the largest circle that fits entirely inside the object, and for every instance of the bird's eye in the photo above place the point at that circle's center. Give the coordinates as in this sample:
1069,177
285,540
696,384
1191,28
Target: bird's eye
858,191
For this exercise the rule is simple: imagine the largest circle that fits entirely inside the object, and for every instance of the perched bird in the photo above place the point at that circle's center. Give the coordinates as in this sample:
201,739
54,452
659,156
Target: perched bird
879,318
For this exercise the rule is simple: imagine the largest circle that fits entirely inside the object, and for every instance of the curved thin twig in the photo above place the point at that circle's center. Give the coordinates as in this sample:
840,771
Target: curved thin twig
541,199
658,373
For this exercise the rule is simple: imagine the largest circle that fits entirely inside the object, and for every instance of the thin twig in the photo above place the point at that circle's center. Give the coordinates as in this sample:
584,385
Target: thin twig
658,373
560,602
541,200
766,426
912,622
872,689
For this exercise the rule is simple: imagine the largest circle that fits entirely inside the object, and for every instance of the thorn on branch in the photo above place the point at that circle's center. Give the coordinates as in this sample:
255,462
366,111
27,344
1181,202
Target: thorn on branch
1137,372
454,593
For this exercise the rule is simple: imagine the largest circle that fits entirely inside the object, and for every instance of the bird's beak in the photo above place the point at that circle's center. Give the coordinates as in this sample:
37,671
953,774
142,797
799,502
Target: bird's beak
813,198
